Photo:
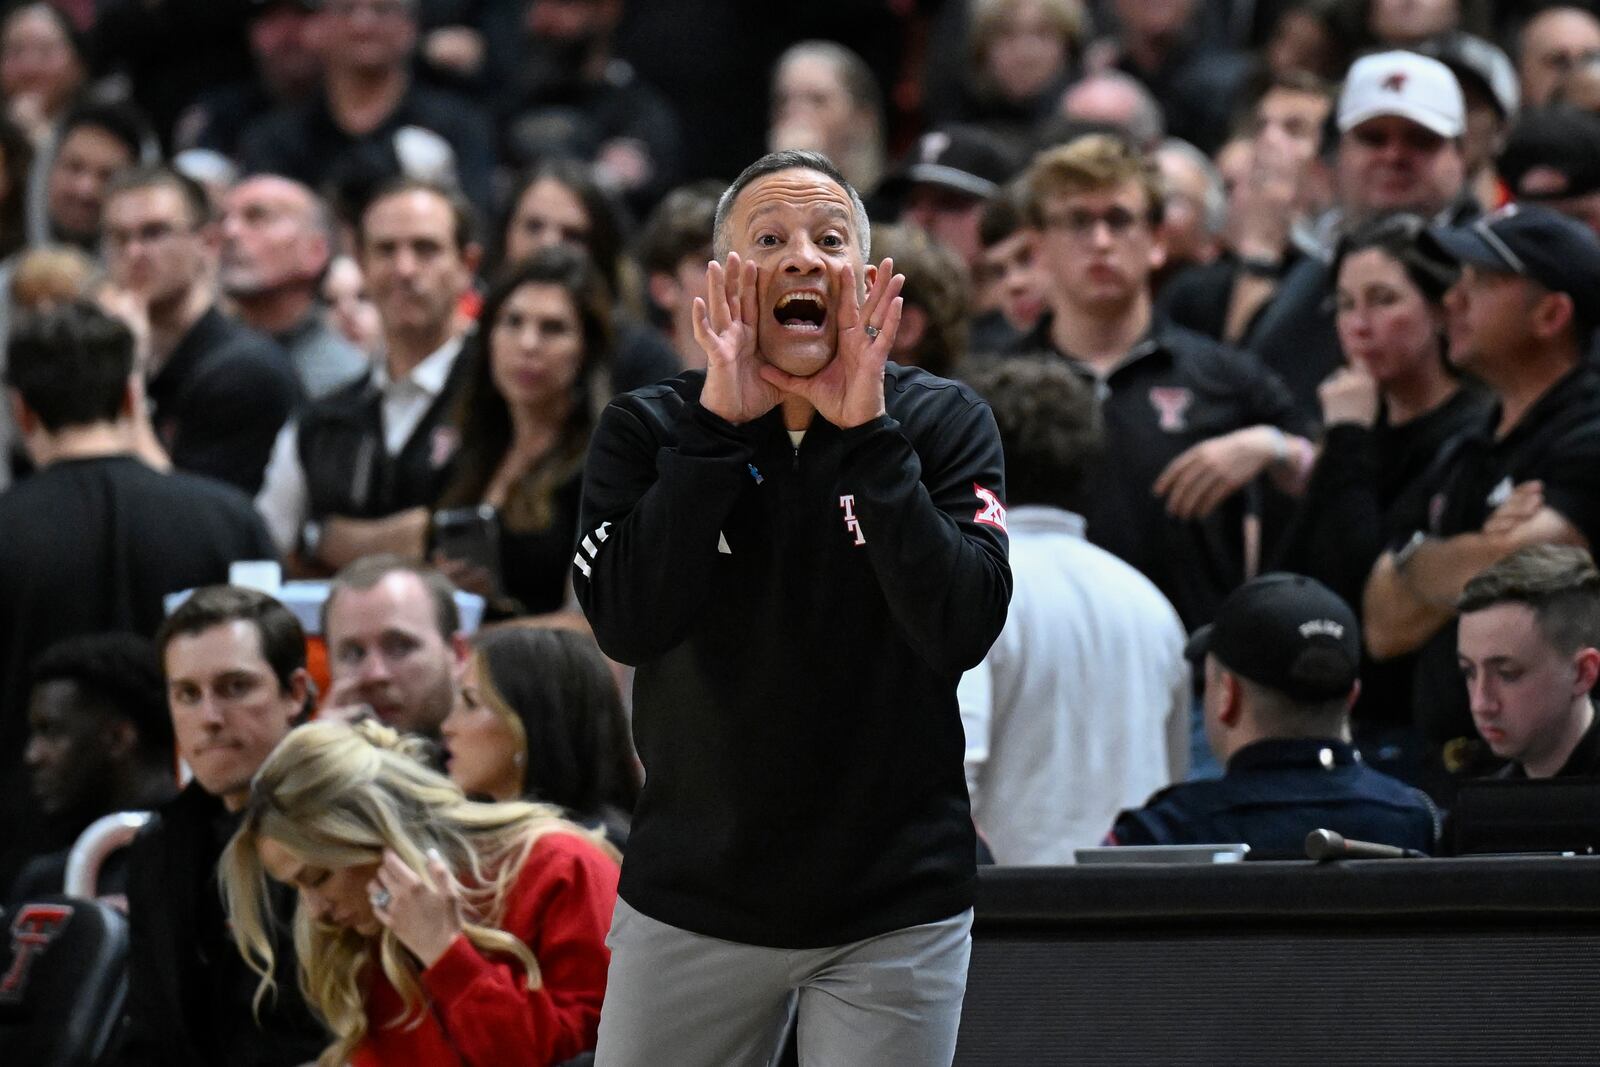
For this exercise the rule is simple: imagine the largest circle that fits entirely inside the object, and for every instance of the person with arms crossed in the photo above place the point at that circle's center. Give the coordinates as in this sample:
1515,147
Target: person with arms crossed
1520,319
800,549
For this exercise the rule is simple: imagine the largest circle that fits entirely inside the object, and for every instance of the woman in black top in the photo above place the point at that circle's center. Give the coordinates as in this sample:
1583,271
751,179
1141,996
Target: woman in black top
1389,414
525,418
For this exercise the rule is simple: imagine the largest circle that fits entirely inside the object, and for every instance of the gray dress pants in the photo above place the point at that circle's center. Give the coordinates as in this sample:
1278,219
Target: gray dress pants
679,999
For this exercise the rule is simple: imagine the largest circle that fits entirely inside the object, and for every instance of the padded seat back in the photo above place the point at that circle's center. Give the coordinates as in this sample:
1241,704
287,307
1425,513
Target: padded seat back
63,977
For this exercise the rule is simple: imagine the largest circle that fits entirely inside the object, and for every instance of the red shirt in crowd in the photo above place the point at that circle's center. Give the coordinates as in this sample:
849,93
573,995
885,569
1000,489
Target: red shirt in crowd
481,1013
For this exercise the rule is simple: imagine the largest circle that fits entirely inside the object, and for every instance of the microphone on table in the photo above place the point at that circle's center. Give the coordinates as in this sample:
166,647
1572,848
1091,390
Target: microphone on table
1325,845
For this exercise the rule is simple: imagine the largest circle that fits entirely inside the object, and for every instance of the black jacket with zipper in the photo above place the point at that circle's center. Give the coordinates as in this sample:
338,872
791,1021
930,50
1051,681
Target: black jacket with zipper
799,617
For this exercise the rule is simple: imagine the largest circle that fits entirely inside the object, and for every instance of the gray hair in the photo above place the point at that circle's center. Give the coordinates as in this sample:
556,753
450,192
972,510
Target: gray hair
1215,205
789,159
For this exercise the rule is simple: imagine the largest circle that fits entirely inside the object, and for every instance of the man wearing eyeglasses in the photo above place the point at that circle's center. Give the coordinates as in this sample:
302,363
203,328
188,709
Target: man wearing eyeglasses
219,391
1520,319
1189,423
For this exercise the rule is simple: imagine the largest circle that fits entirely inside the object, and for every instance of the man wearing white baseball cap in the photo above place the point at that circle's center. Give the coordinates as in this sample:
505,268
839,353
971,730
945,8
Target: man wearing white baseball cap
1401,121
1400,117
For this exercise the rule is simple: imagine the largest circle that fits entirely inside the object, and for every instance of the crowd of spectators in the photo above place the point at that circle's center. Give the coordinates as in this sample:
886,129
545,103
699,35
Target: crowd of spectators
1251,286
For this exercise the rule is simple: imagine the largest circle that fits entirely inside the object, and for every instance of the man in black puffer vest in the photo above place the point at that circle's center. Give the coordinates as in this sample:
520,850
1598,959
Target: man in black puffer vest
362,469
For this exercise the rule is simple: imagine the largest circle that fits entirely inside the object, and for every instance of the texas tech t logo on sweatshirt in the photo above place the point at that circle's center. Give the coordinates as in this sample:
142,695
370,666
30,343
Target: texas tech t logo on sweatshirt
847,504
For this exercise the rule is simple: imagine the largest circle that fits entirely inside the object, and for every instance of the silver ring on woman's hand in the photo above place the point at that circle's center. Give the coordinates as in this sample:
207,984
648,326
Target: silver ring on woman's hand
381,899
873,331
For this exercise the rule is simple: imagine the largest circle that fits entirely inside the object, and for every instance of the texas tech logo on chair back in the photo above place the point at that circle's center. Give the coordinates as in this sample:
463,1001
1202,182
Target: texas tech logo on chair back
35,926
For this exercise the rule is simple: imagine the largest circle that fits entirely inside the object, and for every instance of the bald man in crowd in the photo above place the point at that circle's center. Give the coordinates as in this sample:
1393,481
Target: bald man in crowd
277,241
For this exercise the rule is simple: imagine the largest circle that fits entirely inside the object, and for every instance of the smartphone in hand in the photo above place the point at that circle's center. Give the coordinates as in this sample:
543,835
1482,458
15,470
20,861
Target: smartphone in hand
470,535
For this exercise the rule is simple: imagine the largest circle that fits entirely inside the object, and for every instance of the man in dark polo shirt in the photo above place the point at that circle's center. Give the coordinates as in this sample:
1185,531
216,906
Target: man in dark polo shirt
219,391
1519,319
1280,667
1529,649
370,121
1189,423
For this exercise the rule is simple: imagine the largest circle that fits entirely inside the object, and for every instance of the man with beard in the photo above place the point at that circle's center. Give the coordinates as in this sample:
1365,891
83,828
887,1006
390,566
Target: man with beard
395,644
277,239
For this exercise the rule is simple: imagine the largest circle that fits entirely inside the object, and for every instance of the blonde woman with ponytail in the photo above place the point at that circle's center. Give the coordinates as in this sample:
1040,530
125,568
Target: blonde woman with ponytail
431,930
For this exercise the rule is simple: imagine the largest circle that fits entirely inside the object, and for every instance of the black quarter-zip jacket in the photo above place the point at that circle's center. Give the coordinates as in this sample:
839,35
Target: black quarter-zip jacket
799,618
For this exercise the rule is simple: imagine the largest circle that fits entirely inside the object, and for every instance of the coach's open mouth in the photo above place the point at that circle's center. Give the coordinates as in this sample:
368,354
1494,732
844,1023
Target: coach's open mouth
803,310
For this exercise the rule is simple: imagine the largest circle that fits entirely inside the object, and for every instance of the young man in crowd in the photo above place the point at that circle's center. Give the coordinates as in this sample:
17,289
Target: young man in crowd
1189,423
235,663
1270,212
94,539
673,249
99,741
1009,286
944,183
219,391
1529,648
95,141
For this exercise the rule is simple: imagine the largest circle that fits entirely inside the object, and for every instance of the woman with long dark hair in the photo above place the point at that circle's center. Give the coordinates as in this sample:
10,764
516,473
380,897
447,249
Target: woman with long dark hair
525,417
541,719
559,203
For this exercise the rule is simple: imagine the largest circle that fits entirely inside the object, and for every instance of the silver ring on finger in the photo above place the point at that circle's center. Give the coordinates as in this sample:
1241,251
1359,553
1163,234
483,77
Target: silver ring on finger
381,899
873,331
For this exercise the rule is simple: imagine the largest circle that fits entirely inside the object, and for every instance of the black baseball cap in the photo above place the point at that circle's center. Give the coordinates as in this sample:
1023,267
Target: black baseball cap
1560,253
1551,154
1287,632
961,158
